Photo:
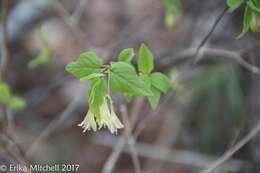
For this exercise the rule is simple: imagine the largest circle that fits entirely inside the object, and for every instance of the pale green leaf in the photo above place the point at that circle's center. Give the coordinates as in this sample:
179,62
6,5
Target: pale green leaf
145,60
173,7
246,21
96,96
160,81
126,55
42,59
253,6
123,78
44,55
172,11
155,98
256,3
5,93
16,103
253,22
87,64
234,4
91,76
170,19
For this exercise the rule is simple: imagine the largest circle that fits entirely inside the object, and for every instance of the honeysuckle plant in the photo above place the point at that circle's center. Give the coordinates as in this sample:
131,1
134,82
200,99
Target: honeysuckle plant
117,77
251,14
251,20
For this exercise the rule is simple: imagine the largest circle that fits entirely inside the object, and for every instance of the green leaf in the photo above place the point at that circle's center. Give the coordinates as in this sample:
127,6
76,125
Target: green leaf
170,19
87,64
155,98
234,4
42,59
253,22
256,3
96,96
91,76
5,93
123,78
145,60
160,81
253,6
16,103
173,7
172,11
126,55
44,55
246,21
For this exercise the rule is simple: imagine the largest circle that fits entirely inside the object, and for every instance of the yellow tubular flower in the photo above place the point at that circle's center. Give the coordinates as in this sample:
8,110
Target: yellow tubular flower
108,118
89,122
115,122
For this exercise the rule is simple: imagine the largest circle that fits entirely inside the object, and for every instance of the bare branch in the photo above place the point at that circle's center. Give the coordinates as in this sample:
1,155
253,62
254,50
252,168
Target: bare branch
209,53
142,125
233,150
173,156
130,139
14,149
206,38
53,125
119,147
4,50
79,9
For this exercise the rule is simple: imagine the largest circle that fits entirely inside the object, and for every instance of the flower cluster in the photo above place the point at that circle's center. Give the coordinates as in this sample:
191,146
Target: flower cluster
117,77
107,118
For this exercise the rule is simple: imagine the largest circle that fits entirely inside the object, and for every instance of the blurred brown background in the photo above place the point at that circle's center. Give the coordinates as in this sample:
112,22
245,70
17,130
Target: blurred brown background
217,105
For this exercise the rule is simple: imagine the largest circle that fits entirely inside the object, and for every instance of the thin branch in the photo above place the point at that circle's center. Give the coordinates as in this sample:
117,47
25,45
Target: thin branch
66,18
79,9
4,62
76,31
206,38
142,125
249,48
233,56
233,150
4,55
4,49
54,124
130,139
163,154
119,147
209,53
14,149
112,159
10,120
9,130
